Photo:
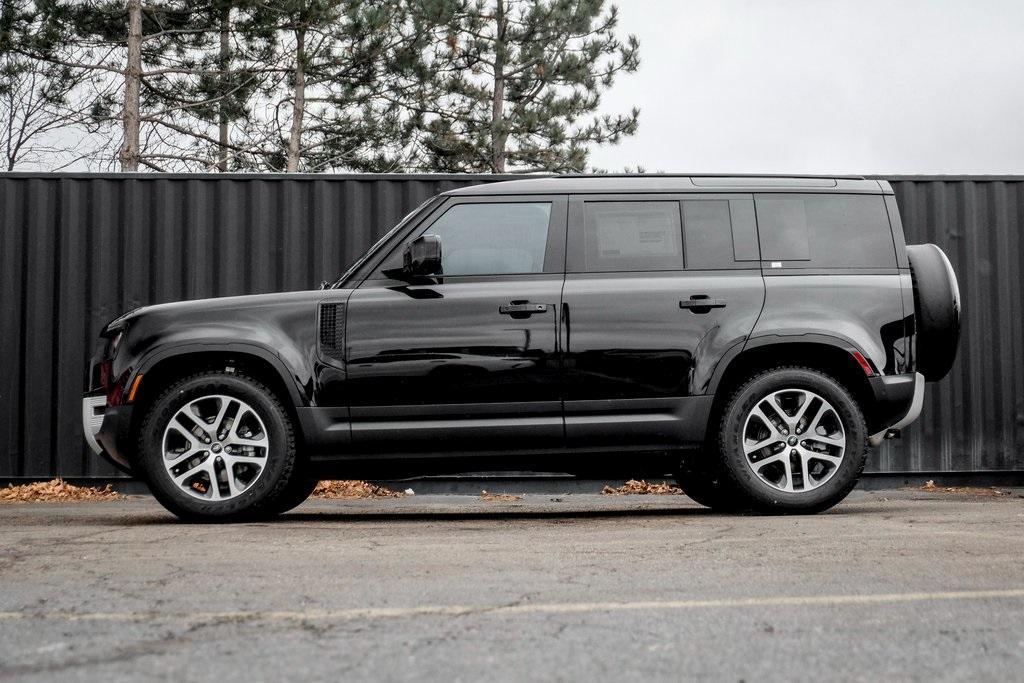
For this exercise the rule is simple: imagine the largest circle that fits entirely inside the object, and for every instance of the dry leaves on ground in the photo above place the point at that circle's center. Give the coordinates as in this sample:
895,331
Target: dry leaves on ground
930,487
56,491
348,488
641,487
499,497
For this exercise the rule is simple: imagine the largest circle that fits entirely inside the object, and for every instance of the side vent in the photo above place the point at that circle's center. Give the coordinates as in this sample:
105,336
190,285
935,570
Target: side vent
332,331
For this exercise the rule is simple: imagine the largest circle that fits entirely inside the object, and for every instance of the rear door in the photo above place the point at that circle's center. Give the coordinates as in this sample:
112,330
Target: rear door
658,289
467,360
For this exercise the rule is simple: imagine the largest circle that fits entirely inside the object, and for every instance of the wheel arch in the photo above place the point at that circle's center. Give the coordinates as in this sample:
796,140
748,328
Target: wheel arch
829,355
168,365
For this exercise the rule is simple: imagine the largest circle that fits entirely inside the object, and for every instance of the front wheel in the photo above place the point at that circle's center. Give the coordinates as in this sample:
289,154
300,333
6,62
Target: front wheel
219,446
792,440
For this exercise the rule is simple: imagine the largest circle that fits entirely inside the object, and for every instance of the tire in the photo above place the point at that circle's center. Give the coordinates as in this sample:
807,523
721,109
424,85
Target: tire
936,310
702,481
820,429
219,427
299,490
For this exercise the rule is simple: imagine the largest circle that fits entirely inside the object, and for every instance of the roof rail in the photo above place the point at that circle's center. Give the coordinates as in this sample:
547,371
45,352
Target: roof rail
842,176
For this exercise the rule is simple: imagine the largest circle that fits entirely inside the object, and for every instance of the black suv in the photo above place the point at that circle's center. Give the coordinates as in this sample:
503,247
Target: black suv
751,336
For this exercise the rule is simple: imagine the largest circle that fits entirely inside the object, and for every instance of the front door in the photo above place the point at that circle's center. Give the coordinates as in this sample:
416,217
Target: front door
466,361
658,289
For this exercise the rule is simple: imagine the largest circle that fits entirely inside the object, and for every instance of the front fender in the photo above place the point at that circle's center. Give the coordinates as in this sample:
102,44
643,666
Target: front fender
294,371
277,329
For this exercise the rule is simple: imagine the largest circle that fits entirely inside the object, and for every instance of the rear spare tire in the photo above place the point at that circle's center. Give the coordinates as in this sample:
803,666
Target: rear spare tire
936,310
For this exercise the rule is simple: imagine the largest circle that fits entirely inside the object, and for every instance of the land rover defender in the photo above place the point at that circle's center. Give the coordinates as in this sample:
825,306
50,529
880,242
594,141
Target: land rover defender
753,337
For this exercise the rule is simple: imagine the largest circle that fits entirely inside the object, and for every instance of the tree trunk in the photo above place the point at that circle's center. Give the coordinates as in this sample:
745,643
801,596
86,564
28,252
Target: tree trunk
498,134
299,104
225,57
129,153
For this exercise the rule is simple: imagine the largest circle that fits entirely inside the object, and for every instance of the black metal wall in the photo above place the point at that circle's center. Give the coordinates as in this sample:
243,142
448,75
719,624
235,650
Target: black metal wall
77,250
973,419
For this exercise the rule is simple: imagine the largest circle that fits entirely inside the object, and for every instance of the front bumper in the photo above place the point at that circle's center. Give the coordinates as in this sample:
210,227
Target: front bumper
899,399
93,408
107,430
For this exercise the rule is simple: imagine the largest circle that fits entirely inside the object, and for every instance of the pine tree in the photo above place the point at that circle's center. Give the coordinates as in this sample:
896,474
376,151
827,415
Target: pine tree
336,58
159,84
116,41
518,84
230,64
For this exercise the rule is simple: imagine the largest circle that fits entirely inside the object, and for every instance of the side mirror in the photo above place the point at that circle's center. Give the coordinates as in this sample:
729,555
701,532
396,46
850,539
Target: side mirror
422,256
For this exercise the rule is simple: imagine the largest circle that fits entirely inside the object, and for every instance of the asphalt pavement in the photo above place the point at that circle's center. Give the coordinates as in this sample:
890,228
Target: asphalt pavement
890,584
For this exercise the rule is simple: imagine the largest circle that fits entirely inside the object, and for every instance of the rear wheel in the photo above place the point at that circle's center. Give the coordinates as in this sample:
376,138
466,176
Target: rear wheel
701,479
792,440
219,446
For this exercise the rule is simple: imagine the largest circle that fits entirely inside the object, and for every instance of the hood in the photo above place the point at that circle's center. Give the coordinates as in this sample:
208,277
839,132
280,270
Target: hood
211,309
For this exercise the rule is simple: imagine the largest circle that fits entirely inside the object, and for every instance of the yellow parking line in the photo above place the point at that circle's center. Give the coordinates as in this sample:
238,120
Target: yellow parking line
371,613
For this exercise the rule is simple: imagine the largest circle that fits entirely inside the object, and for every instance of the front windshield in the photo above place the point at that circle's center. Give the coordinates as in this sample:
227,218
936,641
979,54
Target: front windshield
388,235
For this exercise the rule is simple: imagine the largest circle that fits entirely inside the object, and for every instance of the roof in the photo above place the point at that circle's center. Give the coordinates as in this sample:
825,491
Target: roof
609,184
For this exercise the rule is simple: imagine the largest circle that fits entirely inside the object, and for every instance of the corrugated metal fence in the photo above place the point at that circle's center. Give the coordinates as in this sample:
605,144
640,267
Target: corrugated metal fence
77,250
973,419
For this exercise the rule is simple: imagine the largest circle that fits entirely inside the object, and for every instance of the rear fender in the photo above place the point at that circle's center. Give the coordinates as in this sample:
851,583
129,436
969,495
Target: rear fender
846,346
861,311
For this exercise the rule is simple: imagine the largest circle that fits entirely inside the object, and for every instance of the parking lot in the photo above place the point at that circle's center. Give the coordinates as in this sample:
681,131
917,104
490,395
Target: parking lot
904,584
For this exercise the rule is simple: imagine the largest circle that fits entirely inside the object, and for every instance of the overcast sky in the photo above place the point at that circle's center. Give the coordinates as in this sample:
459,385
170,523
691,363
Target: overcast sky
823,86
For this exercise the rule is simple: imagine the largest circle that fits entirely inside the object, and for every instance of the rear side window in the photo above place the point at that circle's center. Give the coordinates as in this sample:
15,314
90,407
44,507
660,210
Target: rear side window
825,231
719,233
632,236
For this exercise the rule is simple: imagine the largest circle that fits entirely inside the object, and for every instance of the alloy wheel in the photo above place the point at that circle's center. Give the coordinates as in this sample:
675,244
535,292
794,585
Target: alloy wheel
793,440
215,447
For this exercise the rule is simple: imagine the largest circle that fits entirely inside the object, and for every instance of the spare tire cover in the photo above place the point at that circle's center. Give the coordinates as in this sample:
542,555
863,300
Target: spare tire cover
937,310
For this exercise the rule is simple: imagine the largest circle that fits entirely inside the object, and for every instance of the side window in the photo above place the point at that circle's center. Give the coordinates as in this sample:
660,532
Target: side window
826,231
782,225
631,236
493,239
489,239
719,233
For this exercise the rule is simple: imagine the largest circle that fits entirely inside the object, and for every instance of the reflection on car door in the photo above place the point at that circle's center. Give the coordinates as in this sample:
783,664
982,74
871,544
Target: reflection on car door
467,360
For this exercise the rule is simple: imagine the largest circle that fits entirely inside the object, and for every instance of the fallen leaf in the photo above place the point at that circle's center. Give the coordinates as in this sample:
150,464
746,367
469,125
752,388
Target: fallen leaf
56,491
991,491
351,488
642,488
499,497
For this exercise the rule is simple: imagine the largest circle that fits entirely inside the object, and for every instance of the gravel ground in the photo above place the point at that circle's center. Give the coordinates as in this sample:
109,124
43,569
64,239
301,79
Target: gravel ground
905,585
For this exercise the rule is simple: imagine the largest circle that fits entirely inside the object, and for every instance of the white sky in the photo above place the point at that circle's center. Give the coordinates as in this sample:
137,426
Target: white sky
823,86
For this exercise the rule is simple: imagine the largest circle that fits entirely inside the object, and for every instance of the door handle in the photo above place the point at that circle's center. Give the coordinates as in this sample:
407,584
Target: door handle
518,309
701,303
